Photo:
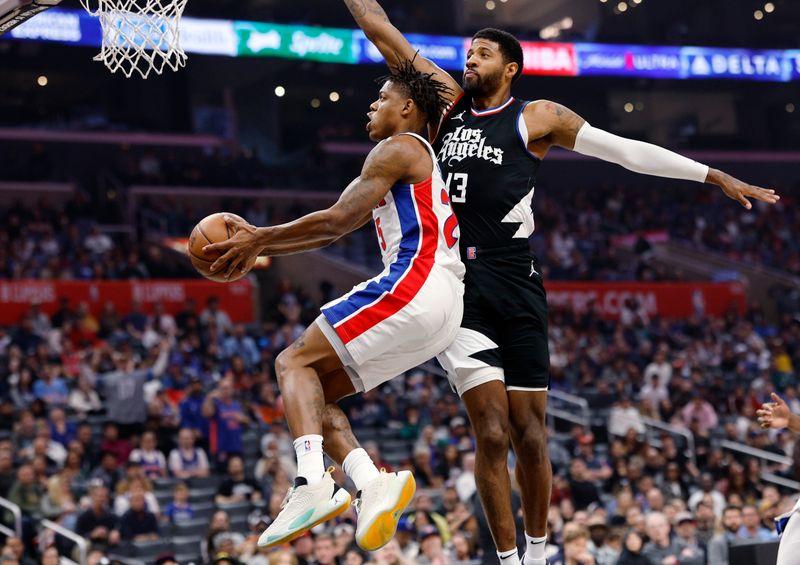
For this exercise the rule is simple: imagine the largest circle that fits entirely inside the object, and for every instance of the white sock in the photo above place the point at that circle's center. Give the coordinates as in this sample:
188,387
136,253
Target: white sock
310,462
359,467
534,550
510,557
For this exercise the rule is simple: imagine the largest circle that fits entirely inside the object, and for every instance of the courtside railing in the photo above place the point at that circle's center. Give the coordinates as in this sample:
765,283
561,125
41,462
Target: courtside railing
81,542
762,455
16,511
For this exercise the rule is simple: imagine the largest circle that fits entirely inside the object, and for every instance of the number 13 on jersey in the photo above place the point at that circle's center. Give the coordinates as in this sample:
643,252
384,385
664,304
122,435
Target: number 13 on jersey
457,187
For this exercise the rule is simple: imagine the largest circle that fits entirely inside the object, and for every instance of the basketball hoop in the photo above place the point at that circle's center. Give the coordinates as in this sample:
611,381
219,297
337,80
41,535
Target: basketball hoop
141,36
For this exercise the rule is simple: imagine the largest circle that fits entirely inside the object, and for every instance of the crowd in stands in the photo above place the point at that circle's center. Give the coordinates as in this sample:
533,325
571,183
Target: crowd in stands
132,428
602,233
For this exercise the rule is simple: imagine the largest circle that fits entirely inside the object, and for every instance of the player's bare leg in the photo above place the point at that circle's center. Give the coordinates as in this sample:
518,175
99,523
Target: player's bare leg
314,497
382,497
487,407
528,432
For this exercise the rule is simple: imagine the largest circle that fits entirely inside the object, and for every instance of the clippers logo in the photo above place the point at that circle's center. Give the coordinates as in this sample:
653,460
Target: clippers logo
466,142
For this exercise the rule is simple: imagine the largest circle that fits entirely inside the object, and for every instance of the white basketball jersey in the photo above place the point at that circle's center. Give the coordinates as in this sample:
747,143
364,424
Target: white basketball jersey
416,224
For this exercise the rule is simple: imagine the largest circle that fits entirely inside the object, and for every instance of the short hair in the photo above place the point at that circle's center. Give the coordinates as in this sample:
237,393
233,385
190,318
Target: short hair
733,507
429,94
510,47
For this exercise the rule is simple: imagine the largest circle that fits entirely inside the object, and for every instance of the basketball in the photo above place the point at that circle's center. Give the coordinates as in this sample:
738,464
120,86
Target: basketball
213,229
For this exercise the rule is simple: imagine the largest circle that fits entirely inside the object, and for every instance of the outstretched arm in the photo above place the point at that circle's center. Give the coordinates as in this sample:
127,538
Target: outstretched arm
372,19
553,124
388,163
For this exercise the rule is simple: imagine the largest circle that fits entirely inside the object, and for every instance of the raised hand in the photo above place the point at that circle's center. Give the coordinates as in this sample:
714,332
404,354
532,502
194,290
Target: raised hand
775,414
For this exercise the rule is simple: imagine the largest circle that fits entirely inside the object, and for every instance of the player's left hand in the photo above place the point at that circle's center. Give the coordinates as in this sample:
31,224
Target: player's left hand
741,191
237,250
774,414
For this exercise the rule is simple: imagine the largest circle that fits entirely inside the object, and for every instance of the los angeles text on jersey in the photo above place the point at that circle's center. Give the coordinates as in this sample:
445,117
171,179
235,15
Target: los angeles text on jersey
466,142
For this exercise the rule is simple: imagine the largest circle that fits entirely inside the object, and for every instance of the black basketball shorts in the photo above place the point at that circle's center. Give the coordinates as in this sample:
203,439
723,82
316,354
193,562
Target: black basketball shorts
503,335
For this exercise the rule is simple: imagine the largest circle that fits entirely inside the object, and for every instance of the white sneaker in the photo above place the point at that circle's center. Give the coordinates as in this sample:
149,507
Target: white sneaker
303,508
380,506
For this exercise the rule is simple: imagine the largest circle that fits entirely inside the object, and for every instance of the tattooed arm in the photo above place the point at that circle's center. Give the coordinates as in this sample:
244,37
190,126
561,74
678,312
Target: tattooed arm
551,124
372,19
389,162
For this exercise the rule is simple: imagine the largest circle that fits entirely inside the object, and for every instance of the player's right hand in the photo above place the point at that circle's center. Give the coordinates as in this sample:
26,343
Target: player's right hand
237,250
774,415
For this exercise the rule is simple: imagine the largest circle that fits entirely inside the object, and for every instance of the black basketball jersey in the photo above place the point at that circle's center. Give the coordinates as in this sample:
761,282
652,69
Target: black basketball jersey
489,172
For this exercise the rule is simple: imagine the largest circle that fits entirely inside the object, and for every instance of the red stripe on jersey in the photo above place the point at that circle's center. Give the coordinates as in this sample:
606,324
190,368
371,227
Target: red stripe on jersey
408,287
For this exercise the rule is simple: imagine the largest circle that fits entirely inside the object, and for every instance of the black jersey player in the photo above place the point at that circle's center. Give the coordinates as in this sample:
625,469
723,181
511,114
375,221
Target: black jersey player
490,145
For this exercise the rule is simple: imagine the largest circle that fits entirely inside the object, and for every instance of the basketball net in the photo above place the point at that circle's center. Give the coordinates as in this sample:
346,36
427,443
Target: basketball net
139,36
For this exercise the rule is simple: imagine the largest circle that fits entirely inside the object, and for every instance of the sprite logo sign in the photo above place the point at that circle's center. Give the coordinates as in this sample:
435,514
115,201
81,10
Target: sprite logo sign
295,42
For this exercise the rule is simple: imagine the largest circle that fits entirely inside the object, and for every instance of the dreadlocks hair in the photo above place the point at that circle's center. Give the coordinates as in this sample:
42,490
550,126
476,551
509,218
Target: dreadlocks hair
429,94
509,47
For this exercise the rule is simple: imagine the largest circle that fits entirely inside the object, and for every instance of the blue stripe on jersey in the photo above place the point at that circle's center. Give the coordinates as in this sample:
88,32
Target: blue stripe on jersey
409,244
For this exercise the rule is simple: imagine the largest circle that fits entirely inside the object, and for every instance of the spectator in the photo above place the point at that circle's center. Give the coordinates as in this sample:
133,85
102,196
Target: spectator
50,556
15,549
237,487
191,409
124,388
704,520
26,492
239,344
61,431
219,533
97,242
135,485
282,557
463,548
108,472
661,549
51,388
325,552
179,510
84,399
98,524
149,458
701,410
718,546
186,460
597,468
694,550
7,473
112,443
752,528
602,552
658,373
390,554
423,470
625,416
465,483
707,488
227,418
138,523
431,547
583,490
575,548
215,317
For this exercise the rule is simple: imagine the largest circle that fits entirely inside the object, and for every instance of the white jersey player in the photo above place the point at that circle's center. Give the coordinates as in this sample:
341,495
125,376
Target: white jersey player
383,327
